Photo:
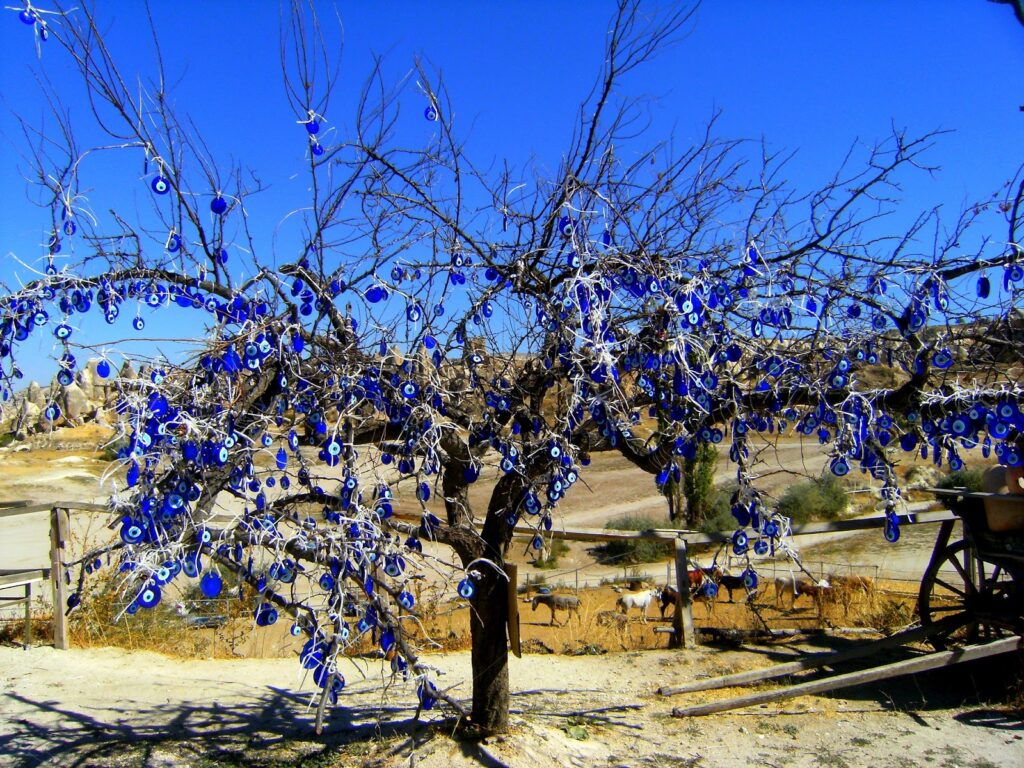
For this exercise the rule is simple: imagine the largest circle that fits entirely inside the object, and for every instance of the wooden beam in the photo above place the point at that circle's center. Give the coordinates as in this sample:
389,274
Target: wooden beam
20,578
682,619
29,508
512,571
58,536
884,672
817,660
692,537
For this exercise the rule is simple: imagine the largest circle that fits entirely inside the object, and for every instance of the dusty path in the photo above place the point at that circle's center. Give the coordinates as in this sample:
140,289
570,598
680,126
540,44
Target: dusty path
110,708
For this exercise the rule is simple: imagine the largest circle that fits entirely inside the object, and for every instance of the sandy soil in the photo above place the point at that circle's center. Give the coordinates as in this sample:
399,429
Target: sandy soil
111,708
100,707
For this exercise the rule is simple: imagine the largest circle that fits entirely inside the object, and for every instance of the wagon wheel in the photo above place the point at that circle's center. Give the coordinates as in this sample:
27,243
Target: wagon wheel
960,586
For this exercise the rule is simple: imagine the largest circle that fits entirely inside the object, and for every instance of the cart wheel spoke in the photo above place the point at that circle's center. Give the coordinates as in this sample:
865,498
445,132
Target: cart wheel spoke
968,581
950,587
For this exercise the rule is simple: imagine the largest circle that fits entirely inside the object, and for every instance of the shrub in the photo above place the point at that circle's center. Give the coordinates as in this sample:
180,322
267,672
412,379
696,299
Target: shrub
821,499
962,478
637,550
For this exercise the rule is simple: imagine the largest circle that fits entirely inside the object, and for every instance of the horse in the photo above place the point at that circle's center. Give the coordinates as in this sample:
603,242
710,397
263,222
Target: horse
641,600
558,603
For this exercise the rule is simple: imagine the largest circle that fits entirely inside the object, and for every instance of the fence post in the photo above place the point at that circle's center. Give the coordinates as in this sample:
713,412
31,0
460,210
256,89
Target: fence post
58,536
682,620
28,614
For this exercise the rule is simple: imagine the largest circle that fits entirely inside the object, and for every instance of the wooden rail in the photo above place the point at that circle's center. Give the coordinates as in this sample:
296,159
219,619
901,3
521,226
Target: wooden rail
682,623
25,580
59,531
884,672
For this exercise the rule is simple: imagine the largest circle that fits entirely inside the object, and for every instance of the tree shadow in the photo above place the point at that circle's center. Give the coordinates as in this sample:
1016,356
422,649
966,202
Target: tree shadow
279,721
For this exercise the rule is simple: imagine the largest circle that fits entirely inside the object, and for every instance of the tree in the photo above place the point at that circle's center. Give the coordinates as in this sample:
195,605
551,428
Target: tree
699,484
442,324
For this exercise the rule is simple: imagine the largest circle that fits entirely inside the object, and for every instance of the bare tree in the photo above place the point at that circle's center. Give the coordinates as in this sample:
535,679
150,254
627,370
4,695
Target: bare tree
444,324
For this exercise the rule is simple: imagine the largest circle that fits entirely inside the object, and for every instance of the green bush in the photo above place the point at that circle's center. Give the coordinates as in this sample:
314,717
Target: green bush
821,499
637,550
962,478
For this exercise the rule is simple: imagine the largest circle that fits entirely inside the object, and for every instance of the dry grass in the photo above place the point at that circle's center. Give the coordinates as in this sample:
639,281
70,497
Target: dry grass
445,623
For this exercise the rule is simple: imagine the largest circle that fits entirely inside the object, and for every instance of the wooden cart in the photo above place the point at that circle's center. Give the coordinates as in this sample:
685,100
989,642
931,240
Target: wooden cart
977,581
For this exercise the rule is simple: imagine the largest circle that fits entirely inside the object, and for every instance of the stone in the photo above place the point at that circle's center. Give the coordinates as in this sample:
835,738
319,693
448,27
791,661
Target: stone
76,404
84,380
128,371
28,418
35,395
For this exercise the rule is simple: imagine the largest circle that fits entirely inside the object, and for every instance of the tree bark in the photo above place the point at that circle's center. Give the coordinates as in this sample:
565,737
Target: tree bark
489,613
490,654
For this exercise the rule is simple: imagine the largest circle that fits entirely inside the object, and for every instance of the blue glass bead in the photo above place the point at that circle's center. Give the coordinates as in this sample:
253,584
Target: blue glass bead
739,542
942,359
131,533
430,113
427,694
467,588
149,597
839,467
313,127
892,532
218,205
265,615
138,323
160,185
984,287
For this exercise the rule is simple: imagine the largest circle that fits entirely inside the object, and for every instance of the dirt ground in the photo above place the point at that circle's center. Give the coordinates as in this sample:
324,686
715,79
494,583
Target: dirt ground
584,691
90,708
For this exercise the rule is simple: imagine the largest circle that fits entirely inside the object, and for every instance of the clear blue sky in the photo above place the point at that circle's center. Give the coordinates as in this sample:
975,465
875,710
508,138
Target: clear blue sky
809,76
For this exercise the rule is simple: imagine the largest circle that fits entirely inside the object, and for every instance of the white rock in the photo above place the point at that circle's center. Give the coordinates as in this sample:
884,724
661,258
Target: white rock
35,394
76,404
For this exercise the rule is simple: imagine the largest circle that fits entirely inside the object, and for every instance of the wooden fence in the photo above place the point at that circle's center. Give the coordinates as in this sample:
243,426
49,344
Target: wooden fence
682,630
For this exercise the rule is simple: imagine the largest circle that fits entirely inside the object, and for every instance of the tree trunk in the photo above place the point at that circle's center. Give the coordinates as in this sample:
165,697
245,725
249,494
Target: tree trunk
490,654
489,616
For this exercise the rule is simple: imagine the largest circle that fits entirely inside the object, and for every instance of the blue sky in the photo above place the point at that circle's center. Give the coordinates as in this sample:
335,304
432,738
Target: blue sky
812,77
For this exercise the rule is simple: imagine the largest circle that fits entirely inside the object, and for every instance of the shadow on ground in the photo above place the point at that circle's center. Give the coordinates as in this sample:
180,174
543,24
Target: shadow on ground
275,729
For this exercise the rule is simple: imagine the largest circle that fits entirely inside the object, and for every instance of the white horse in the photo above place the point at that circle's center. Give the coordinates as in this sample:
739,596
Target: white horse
639,600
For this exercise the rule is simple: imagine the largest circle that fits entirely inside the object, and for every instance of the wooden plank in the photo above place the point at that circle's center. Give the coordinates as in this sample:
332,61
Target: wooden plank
691,537
817,660
682,619
512,571
14,503
19,578
18,511
58,534
884,672
79,506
